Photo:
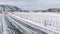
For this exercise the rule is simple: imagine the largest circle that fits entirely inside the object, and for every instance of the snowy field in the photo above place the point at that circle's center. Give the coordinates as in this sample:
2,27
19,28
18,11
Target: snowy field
50,20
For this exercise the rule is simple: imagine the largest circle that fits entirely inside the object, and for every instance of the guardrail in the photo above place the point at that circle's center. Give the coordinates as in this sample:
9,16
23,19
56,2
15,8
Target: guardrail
41,27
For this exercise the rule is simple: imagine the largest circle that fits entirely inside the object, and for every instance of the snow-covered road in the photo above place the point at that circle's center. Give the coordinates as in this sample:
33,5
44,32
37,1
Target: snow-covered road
1,23
12,24
25,26
15,26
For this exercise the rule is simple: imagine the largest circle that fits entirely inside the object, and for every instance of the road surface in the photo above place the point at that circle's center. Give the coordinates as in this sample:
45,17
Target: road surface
15,26
1,23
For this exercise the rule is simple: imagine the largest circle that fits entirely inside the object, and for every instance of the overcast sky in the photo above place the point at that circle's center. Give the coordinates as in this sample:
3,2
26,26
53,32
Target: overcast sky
32,4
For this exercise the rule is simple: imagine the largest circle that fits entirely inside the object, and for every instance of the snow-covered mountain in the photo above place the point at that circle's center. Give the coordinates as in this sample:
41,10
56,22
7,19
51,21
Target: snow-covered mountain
9,8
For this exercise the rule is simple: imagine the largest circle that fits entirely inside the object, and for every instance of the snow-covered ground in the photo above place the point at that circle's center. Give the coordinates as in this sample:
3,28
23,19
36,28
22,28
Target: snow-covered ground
50,20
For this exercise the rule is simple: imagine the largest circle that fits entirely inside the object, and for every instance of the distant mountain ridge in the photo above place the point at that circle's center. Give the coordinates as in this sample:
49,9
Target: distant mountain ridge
11,8
53,10
48,10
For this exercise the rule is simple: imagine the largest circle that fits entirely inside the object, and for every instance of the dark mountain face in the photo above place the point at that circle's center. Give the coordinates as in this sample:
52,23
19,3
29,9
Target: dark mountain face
9,8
